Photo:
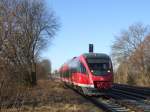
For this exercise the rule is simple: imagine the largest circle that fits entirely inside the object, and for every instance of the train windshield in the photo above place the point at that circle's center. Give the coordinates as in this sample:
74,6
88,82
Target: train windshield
99,66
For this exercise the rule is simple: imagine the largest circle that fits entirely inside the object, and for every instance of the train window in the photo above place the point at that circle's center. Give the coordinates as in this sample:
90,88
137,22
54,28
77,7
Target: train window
73,70
82,68
99,68
74,66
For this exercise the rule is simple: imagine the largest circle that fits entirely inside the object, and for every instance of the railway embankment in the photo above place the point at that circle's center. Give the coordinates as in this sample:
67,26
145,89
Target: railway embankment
49,96
53,96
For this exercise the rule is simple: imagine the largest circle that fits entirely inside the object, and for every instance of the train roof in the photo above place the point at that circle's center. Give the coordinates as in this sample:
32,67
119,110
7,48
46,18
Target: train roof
96,55
88,55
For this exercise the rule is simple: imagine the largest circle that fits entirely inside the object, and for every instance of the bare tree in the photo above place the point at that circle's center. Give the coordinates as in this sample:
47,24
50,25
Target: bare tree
25,28
129,49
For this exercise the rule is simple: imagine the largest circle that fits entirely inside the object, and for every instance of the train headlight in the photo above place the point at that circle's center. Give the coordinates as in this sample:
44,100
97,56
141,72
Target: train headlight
108,71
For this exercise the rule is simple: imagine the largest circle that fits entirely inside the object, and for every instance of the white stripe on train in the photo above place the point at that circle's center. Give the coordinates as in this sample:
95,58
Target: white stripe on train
79,84
84,85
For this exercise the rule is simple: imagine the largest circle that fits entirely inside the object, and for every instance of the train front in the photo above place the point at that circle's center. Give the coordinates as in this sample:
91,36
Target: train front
100,72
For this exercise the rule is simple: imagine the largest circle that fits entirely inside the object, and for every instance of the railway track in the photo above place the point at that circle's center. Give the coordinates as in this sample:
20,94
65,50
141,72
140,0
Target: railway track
120,101
106,103
140,96
111,105
133,103
114,103
139,90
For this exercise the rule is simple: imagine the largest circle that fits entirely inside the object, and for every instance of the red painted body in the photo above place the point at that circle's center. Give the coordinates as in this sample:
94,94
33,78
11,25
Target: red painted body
85,79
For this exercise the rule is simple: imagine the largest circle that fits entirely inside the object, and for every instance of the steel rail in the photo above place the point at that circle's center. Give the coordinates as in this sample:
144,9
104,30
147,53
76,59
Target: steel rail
108,105
139,90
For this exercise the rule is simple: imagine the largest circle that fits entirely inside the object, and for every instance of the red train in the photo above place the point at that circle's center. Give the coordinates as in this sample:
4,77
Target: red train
90,73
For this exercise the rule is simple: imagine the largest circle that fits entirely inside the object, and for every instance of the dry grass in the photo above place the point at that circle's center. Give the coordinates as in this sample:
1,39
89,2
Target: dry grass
52,96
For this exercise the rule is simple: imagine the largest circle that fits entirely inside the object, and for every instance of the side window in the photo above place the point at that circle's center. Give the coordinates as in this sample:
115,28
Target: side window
82,68
74,66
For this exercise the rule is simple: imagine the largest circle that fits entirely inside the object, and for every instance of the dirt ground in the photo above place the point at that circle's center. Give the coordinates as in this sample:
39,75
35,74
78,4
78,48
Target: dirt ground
52,96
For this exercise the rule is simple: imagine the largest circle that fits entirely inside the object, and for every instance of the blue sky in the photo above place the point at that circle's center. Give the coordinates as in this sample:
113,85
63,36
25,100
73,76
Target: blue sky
91,21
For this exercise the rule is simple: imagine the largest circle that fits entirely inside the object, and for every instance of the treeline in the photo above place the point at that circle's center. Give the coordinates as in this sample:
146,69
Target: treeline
26,27
43,69
131,55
